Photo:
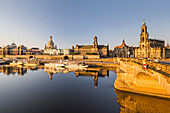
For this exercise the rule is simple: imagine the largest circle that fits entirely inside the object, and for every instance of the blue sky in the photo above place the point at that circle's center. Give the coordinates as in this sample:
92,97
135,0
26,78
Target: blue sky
71,22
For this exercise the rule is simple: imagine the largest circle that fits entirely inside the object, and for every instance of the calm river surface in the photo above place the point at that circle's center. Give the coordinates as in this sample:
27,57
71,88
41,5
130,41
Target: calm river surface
35,90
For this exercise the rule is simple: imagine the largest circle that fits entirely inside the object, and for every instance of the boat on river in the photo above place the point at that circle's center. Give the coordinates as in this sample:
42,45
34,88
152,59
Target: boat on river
54,65
16,63
2,62
31,63
75,65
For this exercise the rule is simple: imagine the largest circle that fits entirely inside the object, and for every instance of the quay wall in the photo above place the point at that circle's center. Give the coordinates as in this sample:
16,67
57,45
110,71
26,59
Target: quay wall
54,57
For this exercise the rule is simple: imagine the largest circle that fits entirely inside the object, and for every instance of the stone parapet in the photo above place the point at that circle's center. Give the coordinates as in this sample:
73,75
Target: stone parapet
133,78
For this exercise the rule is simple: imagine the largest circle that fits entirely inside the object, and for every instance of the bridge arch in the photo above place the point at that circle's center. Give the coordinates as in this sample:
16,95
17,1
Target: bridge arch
66,57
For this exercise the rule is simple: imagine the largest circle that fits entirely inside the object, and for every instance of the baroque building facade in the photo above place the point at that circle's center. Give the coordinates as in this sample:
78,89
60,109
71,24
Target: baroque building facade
34,51
51,49
124,51
94,49
150,48
13,49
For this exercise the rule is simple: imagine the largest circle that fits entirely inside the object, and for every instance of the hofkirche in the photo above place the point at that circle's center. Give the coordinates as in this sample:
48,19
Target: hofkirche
150,48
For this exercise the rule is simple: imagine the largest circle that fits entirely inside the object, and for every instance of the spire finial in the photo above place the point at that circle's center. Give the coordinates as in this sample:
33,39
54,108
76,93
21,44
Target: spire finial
123,41
143,21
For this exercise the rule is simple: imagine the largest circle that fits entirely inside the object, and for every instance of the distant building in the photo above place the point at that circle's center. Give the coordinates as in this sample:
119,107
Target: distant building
13,49
166,51
124,51
63,52
50,49
150,48
34,51
94,49
112,53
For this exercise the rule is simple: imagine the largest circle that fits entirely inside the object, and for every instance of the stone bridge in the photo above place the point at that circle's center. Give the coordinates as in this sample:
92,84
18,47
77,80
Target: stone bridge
132,77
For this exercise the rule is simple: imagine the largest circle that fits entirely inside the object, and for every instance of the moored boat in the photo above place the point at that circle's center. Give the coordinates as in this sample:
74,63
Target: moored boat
2,61
54,65
16,63
75,65
31,64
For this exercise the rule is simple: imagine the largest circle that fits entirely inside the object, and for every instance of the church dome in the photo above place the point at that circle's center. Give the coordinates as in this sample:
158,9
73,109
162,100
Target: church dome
13,45
51,43
95,37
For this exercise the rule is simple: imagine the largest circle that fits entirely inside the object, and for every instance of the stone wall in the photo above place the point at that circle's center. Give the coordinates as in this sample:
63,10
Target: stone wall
131,77
53,57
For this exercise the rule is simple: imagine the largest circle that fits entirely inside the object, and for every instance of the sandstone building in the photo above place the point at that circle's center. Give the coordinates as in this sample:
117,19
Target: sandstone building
13,49
124,51
52,50
34,51
150,48
94,49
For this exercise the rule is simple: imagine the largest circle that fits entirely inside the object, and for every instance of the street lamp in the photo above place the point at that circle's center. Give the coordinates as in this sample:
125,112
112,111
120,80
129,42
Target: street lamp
128,54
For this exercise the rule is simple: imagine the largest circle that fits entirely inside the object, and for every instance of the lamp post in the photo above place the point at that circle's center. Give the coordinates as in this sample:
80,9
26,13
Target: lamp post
128,54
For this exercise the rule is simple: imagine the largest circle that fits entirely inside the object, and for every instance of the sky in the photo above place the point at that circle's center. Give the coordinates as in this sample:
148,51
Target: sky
71,22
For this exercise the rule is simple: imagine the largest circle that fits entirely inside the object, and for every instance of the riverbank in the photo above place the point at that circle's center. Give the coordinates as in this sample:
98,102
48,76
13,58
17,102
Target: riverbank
127,77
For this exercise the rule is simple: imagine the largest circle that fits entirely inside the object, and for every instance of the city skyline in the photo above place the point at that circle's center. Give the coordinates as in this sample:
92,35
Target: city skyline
72,22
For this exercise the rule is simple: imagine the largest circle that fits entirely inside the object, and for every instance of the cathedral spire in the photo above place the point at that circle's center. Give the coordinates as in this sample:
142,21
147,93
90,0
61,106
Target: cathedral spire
95,44
123,41
143,21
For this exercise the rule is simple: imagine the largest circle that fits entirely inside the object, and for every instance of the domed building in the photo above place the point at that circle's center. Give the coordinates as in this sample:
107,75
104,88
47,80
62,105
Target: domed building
50,44
51,49
13,45
13,49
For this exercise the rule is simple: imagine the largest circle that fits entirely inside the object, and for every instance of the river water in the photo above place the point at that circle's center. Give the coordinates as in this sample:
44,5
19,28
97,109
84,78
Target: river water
39,90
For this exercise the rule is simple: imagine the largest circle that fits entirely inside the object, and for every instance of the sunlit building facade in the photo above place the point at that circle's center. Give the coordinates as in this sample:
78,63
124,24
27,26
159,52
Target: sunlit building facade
50,48
124,50
13,49
150,48
94,49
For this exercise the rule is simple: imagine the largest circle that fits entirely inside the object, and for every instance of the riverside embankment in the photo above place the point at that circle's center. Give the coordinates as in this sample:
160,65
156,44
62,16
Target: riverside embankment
131,77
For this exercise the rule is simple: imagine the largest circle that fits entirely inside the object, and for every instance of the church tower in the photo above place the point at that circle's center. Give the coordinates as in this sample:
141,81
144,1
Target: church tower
144,34
144,40
123,41
95,44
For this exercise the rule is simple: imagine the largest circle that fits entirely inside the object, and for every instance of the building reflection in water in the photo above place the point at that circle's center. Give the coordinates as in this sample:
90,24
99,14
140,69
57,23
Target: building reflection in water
20,70
13,70
136,103
90,72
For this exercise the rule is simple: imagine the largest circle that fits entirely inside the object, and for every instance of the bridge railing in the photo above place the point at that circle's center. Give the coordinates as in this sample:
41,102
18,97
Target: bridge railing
133,67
